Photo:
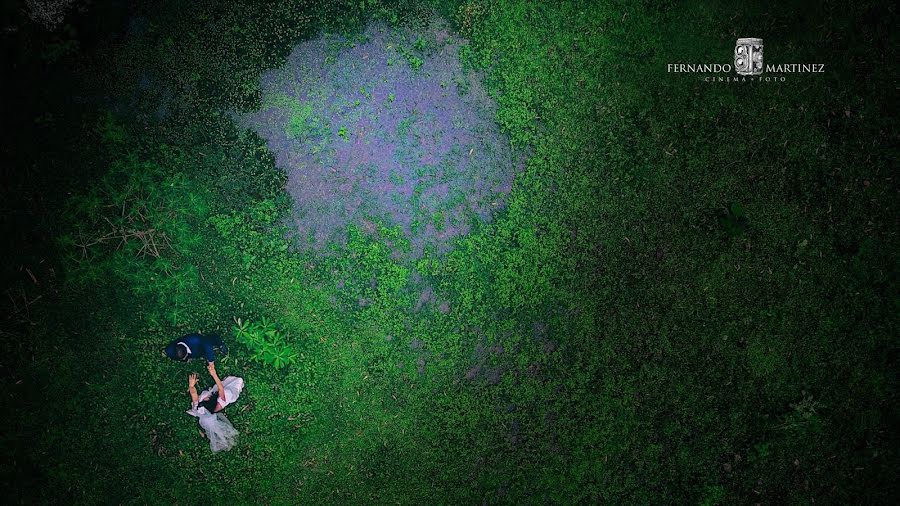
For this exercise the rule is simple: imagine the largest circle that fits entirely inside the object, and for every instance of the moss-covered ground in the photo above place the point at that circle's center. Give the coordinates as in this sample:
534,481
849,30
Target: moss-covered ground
688,293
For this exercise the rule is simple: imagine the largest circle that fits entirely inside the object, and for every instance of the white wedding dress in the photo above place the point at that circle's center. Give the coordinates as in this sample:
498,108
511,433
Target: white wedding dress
222,435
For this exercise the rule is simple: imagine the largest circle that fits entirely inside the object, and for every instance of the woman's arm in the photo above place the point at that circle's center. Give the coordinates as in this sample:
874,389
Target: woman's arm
212,372
192,382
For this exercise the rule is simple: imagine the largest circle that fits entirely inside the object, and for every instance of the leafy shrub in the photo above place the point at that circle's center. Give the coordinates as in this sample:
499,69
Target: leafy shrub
415,62
266,343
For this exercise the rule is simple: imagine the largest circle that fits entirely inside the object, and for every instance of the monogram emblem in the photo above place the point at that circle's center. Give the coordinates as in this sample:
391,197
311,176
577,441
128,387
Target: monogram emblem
748,57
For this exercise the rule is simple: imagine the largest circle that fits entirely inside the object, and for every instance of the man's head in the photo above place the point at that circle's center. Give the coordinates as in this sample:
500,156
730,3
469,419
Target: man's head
176,351
181,352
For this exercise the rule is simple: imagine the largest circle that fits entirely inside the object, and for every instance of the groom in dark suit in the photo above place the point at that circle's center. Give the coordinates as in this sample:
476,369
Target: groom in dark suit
195,346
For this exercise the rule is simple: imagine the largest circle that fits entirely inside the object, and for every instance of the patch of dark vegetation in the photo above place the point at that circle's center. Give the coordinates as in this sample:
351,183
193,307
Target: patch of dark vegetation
689,295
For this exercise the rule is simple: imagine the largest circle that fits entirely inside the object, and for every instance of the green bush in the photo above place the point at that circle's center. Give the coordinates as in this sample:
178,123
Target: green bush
266,343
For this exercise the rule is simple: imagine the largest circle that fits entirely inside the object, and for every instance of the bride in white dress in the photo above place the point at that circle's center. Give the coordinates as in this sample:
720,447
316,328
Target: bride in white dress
207,406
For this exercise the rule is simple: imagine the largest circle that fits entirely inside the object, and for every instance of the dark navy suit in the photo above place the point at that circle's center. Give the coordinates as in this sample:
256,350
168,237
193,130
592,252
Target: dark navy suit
197,346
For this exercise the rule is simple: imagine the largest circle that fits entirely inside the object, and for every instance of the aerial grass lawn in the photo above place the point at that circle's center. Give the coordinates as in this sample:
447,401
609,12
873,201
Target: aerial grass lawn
462,252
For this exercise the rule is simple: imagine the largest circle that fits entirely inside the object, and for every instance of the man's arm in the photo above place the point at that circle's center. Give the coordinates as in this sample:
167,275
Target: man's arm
212,372
208,348
209,352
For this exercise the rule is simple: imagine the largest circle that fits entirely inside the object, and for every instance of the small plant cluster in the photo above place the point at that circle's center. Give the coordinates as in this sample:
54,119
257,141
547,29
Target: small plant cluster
412,55
266,343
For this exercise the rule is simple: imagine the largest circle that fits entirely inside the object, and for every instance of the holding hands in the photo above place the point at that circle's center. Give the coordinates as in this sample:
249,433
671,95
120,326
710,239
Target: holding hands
192,383
211,367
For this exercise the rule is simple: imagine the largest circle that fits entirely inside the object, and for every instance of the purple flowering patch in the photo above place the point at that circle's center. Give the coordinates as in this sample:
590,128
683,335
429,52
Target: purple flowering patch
385,127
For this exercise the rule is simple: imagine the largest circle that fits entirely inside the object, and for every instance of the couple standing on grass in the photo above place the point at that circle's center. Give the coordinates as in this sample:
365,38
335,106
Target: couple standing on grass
208,405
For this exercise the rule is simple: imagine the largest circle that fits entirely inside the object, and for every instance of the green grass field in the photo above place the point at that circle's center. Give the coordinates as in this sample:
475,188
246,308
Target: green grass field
689,297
